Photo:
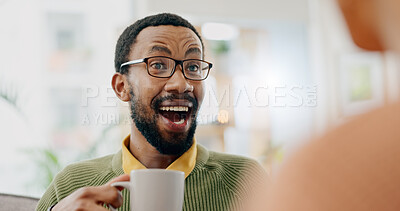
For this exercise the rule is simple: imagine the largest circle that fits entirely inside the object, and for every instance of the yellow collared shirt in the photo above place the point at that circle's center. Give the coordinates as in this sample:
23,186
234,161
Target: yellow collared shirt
185,162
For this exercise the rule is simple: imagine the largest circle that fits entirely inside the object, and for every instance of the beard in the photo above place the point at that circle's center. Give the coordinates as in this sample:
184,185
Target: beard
145,120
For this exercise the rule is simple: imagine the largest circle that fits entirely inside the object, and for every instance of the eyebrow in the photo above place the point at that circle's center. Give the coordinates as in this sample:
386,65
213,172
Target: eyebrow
163,49
193,51
158,48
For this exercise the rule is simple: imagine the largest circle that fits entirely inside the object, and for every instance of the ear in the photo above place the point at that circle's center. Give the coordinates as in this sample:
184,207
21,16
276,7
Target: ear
362,20
121,87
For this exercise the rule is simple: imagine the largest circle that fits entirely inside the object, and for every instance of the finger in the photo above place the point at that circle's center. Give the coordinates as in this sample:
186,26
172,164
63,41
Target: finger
92,207
106,193
124,177
101,194
82,204
115,201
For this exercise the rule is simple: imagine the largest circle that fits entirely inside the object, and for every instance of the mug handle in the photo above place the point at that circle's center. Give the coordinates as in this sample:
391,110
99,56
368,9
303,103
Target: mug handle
126,185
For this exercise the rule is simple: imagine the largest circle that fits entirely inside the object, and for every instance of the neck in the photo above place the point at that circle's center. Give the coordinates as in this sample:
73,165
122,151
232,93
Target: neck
146,154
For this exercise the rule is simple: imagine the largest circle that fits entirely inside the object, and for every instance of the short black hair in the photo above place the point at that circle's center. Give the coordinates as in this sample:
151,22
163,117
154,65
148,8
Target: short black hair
128,37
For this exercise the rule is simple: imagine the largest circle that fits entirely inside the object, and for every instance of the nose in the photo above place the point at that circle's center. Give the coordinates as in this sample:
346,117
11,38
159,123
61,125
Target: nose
178,83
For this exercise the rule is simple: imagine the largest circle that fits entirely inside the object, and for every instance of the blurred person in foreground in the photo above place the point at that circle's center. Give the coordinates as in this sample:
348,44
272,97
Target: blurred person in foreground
160,71
355,166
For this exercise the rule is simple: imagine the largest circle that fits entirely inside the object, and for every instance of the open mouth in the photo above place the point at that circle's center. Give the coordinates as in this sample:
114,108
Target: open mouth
176,114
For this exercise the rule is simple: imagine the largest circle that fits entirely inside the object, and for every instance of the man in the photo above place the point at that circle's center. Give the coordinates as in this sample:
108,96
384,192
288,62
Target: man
159,72
356,166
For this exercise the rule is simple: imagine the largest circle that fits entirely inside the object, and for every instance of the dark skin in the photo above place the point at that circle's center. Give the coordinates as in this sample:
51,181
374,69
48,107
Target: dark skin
93,198
171,41
176,42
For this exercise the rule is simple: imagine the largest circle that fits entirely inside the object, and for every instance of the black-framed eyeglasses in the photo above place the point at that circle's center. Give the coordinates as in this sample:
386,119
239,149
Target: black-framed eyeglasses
164,67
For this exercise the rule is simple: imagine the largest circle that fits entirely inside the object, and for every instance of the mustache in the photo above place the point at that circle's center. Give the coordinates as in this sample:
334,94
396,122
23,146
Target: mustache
185,96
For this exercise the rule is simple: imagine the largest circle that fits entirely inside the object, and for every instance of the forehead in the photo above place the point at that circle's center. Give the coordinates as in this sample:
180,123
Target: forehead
175,38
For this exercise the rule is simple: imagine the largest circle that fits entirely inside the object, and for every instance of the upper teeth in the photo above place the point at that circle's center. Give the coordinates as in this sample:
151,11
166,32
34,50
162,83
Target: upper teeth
174,108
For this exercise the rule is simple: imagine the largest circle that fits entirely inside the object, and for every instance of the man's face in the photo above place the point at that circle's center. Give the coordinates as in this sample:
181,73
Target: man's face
164,109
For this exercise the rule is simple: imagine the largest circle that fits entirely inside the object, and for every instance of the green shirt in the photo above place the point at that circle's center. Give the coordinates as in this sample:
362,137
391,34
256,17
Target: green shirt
218,181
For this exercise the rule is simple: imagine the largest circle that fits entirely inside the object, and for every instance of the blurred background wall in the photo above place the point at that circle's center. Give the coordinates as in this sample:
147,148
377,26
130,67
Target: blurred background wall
285,72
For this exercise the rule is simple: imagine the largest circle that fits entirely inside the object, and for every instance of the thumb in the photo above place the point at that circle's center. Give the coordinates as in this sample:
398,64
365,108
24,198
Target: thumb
124,177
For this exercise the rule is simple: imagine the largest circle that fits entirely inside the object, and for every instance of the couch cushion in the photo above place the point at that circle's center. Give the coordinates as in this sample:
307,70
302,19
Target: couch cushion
17,203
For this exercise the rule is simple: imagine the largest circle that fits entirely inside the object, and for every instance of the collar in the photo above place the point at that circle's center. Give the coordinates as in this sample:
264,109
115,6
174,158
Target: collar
185,162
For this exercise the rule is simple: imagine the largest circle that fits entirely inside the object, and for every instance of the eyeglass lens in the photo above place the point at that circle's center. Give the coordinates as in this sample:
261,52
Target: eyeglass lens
163,67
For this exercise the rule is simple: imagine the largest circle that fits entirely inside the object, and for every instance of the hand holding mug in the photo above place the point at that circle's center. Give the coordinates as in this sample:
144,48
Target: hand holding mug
93,198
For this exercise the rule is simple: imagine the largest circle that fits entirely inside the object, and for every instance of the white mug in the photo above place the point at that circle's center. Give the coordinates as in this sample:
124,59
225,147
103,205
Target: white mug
155,189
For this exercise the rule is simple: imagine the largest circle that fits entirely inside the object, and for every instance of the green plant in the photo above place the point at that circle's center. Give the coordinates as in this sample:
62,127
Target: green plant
47,163
220,47
10,94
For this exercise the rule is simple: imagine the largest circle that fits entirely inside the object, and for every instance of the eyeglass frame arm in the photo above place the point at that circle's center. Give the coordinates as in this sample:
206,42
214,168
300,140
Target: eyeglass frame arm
137,61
